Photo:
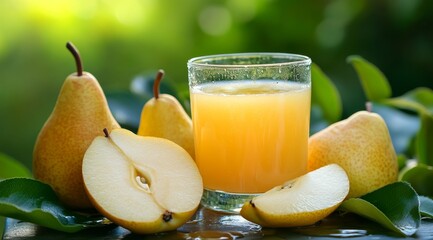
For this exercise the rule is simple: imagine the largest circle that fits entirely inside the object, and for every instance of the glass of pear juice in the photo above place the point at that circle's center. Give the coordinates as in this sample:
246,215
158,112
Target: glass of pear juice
251,117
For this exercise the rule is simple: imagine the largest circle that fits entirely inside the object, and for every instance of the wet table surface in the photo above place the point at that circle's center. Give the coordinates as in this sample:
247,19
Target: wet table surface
209,224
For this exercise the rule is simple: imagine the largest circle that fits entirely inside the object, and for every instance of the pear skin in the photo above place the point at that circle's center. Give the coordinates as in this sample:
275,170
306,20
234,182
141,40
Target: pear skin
163,116
361,145
80,114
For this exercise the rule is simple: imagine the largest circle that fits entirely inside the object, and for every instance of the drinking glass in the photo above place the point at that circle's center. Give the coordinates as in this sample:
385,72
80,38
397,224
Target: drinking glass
251,115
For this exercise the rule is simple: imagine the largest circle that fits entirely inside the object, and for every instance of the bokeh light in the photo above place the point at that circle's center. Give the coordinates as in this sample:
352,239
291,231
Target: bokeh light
119,40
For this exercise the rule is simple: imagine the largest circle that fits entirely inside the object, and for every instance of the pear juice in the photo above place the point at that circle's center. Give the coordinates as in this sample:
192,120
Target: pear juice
250,135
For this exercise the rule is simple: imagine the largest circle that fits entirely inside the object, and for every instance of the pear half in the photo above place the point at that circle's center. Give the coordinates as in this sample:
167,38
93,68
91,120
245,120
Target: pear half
301,201
144,184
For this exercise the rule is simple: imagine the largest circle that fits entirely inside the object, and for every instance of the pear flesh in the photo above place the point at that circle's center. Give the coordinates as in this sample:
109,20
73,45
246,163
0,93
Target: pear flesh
144,184
80,114
301,201
362,146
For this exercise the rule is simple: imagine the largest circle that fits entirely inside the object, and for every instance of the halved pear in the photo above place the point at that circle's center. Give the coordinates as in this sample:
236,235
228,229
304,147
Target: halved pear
301,201
144,184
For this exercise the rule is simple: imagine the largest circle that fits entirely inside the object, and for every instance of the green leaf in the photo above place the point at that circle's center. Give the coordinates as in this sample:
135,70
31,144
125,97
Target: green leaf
33,201
373,81
395,206
2,225
426,206
419,100
12,168
420,177
402,160
126,108
424,140
317,121
325,95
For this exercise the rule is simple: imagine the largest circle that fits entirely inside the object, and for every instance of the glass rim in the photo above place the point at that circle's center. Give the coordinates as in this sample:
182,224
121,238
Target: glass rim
292,59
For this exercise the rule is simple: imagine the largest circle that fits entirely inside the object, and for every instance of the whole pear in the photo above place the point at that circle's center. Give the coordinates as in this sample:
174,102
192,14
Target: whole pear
163,116
362,146
80,114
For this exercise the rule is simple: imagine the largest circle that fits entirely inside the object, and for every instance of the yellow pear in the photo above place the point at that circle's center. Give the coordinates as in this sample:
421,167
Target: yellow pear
80,114
300,202
144,184
361,145
163,116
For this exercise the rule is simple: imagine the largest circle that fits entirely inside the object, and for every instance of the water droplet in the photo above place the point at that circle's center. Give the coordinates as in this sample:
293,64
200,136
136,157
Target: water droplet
344,233
195,221
332,232
213,235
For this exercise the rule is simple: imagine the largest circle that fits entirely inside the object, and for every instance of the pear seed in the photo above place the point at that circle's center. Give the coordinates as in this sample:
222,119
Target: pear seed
289,185
143,183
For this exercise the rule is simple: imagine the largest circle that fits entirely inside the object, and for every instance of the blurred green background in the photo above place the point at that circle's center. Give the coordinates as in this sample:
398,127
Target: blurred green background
119,40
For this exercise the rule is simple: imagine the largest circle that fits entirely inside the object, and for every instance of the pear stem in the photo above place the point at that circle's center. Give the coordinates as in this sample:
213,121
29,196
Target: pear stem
156,83
369,106
77,57
167,216
107,135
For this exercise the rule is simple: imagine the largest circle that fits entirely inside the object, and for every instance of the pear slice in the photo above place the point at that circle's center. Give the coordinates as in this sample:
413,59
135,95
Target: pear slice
301,201
144,184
